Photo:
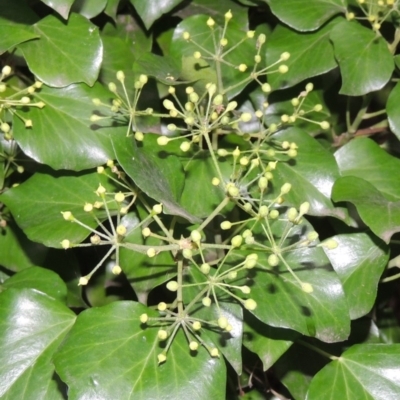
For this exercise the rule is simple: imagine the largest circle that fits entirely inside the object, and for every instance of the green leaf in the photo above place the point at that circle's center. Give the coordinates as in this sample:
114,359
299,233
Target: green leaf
32,326
199,172
61,6
393,110
380,214
17,251
89,8
311,54
62,134
41,279
312,174
232,80
150,11
367,371
75,47
38,202
267,342
365,61
362,158
15,21
323,313
160,175
359,260
122,362
306,15
112,8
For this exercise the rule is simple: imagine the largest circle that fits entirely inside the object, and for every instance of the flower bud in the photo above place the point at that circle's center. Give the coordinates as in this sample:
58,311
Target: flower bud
250,304
172,286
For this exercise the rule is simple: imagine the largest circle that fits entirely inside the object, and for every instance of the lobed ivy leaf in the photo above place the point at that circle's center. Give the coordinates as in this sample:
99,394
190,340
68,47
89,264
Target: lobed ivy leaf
309,183
112,8
160,175
122,362
359,260
150,11
62,135
41,279
32,326
311,54
392,110
365,62
56,59
88,8
362,158
306,15
368,371
375,209
37,204
15,21
61,6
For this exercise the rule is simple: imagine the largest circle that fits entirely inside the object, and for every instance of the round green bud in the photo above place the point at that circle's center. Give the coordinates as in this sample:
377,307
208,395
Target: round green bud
120,76
309,87
116,270
222,322
187,253
250,304
195,236
206,301
162,306
236,241
231,106
283,69
151,252
197,55
162,334
232,275
196,325
263,183
311,236
205,268
273,260
318,107
225,225
245,289
161,358
273,214
186,35
292,214
119,197
286,187
6,70
121,230
215,181
242,67
146,232
245,117
324,125
210,22
157,209
65,244
143,318
263,211
304,208
307,287
193,345
285,56
162,140
172,286
250,34
95,239
83,281
214,352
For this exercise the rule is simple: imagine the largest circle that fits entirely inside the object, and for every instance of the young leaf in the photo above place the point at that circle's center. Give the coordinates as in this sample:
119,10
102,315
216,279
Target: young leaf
32,326
368,371
365,62
75,48
122,362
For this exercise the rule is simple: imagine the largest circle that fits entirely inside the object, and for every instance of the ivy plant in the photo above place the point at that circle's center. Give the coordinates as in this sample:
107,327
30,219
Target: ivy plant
199,199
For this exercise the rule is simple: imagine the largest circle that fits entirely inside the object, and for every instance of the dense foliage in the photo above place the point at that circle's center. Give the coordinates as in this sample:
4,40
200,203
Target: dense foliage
199,199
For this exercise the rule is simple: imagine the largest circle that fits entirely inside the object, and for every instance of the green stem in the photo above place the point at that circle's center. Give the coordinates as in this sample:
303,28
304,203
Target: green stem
360,115
318,350
179,294
216,211
396,41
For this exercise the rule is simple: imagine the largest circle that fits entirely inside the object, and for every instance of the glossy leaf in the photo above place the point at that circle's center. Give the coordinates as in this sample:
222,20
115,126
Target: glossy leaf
122,362
61,6
89,8
306,15
393,110
158,175
200,171
308,183
32,326
380,214
363,158
231,78
359,260
311,54
150,11
63,125
15,21
56,59
369,371
365,62
17,251
112,8
38,202
41,279
267,342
